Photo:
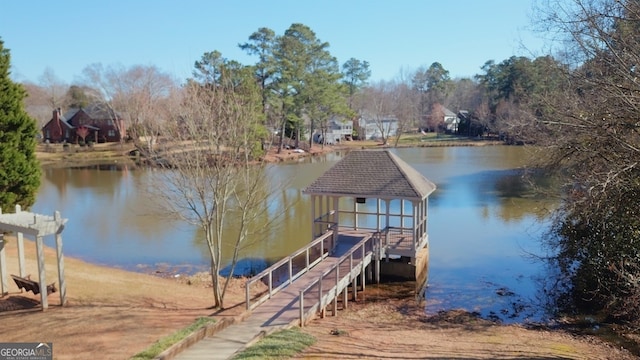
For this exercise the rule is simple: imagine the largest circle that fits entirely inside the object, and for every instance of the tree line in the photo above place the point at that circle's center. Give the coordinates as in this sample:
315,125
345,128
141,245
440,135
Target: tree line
302,86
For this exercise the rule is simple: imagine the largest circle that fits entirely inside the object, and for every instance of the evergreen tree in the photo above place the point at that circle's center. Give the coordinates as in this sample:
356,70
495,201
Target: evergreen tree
19,168
306,79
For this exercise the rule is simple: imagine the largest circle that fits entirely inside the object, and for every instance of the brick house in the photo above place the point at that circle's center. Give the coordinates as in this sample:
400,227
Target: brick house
97,122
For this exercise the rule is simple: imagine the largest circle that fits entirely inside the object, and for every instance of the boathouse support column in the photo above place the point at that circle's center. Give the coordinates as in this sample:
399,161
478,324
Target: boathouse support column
422,218
417,223
401,216
334,219
417,228
378,214
426,216
355,214
314,226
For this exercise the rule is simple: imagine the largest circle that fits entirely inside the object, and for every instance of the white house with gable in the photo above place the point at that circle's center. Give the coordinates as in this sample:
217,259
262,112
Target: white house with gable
451,120
373,127
337,130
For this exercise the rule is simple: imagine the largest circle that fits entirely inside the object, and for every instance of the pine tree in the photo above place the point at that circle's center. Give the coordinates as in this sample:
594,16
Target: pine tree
19,168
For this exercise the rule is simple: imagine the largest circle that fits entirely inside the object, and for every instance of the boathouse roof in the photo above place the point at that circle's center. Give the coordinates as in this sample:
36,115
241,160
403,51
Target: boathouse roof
372,174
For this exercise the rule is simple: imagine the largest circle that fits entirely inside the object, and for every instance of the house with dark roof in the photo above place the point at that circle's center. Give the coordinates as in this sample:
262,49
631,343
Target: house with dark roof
96,123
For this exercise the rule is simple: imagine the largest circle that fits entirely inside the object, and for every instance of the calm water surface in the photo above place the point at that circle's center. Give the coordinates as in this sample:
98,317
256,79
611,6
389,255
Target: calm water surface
483,224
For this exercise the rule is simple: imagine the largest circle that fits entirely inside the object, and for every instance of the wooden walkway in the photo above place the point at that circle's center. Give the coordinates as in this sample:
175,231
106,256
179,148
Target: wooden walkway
297,296
317,274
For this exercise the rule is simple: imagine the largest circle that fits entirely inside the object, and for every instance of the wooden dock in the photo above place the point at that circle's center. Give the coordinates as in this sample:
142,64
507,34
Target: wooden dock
300,287
315,277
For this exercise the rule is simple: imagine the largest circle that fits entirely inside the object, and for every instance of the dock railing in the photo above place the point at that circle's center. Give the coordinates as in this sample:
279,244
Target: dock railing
359,256
285,271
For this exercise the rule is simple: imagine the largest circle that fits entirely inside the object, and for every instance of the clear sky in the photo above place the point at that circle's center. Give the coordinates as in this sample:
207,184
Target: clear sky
394,36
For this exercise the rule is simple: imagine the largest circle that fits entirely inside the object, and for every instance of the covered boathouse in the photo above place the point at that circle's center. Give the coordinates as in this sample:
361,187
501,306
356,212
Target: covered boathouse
374,191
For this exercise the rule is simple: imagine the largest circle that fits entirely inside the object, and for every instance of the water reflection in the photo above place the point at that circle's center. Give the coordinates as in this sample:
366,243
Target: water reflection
484,228
483,222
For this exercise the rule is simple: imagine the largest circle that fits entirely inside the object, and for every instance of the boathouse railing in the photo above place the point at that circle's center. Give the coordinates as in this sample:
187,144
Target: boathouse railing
354,261
285,271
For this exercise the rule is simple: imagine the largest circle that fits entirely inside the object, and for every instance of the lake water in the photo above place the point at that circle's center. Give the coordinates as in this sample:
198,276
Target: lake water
483,224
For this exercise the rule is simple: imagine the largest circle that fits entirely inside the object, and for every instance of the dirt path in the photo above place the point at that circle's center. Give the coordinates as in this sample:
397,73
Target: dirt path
114,314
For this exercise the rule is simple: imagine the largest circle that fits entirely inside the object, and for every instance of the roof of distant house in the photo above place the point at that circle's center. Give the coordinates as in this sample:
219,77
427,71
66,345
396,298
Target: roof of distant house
448,112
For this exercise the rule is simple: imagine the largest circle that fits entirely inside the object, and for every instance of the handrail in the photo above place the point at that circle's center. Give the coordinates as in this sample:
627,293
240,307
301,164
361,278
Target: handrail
361,246
290,275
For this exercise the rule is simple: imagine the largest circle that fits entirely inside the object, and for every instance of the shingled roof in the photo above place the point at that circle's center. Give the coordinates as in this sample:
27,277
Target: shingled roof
372,174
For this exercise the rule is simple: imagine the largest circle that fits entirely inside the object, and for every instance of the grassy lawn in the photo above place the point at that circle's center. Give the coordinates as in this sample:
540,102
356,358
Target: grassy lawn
164,343
279,345
415,139
72,154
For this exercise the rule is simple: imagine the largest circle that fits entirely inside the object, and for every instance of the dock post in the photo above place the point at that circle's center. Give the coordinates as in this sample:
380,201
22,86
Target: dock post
377,267
247,295
335,297
320,297
376,258
345,297
362,268
301,308
354,286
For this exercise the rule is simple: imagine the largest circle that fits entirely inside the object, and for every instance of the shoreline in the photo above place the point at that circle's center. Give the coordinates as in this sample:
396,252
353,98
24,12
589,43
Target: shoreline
55,156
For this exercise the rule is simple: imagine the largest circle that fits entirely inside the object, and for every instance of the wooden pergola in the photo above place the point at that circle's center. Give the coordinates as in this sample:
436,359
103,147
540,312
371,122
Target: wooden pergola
374,191
38,226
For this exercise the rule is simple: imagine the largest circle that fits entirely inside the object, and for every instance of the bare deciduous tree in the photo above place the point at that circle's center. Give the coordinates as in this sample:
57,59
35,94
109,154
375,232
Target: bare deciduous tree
591,132
208,177
55,88
137,93
36,104
406,107
379,106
